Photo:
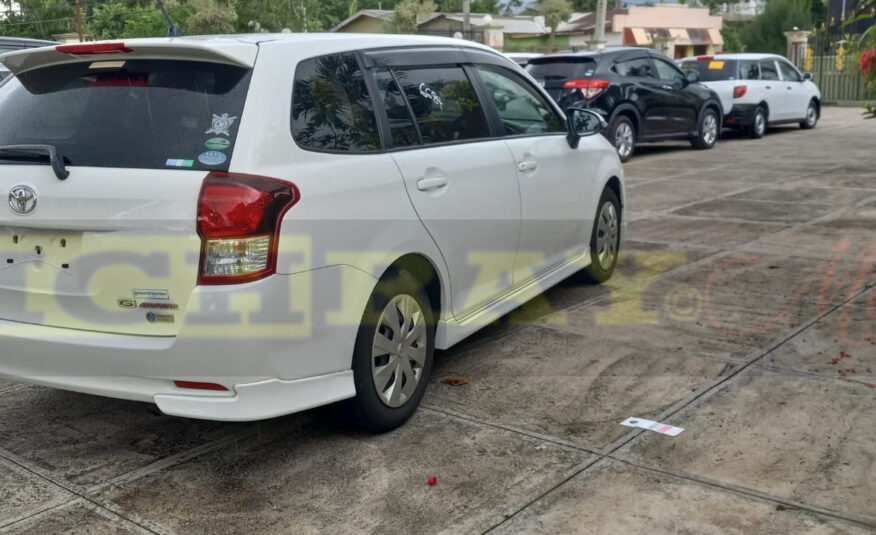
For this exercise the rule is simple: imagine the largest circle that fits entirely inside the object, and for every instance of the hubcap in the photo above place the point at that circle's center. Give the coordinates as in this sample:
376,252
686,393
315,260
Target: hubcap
398,354
710,129
607,234
623,139
759,123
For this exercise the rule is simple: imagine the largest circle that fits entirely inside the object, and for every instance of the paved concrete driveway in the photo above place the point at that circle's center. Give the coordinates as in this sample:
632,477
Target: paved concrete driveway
742,312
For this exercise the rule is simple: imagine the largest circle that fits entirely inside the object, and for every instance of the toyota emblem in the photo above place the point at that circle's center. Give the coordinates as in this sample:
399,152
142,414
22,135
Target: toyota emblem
22,200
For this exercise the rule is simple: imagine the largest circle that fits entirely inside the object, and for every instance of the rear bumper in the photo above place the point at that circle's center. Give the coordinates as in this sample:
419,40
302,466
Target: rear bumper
740,115
274,358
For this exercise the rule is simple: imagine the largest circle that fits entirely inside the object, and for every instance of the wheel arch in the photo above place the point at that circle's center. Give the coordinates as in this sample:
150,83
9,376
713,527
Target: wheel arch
427,273
632,113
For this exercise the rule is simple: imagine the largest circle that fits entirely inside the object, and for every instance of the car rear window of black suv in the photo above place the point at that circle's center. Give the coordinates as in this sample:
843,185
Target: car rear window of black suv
561,68
147,114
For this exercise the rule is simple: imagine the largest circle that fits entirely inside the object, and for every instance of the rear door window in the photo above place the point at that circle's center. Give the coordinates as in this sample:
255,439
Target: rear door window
637,67
331,107
444,103
403,131
768,70
749,70
149,114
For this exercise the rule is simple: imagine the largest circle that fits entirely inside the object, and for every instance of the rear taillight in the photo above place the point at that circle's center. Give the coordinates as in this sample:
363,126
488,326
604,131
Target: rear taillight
239,220
590,87
90,49
739,91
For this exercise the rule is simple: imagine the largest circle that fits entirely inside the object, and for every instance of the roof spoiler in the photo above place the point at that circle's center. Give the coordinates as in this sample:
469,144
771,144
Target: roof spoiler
229,51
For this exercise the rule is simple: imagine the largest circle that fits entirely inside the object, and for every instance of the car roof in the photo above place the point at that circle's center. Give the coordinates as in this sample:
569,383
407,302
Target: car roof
596,54
746,55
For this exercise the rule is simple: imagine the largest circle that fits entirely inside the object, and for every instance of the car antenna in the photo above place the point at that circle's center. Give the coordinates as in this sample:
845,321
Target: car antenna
172,30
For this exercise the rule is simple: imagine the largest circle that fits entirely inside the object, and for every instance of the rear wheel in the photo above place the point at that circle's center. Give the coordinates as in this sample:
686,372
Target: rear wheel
605,240
758,124
622,135
811,117
393,355
707,133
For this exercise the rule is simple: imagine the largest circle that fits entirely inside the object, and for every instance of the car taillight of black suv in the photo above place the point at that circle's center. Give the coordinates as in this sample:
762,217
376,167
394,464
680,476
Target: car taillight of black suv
641,94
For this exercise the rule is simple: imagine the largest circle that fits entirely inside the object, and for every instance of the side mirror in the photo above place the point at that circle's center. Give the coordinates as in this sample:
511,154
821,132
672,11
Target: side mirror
692,77
582,123
807,76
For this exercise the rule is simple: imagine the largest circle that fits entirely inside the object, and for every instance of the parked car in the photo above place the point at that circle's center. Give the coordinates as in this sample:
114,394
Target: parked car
641,94
759,90
8,44
241,228
522,58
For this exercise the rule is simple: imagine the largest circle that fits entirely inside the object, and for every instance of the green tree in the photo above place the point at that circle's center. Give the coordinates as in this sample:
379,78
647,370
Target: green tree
41,19
555,12
108,20
408,13
212,17
766,31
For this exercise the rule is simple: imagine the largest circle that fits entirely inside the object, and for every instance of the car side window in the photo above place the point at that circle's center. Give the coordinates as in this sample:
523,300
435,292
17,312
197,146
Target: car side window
749,70
789,73
667,72
402,129
639,67
331,107
444,103
768,70
522,110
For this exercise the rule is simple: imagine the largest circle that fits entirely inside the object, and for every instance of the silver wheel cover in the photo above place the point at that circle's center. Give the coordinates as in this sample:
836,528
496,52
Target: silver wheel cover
398,352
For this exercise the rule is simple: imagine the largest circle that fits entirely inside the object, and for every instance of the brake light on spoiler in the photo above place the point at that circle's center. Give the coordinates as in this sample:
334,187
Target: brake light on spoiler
590,87
239,220
90,49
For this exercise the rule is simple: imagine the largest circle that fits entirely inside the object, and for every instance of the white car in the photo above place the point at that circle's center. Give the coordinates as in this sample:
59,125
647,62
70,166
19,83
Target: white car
759,90
237,228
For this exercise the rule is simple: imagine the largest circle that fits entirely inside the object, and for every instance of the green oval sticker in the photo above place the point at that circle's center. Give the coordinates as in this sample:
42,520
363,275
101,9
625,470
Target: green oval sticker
217,143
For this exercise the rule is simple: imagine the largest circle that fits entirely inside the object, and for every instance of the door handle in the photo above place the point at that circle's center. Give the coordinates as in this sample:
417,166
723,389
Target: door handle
768,87
668,87
527,166
426,184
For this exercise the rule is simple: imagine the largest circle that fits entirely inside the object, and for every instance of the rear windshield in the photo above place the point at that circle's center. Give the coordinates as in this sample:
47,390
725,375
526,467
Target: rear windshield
556,69
148,114
712,70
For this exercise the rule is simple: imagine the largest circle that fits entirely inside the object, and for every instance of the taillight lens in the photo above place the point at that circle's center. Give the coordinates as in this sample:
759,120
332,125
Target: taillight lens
239,220
739,91
590,87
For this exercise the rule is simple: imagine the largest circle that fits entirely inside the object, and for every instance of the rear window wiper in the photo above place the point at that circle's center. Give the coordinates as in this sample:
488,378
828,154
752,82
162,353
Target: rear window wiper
29,151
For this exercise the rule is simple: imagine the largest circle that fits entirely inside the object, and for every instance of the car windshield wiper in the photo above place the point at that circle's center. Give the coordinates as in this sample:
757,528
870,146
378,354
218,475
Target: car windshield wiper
29,151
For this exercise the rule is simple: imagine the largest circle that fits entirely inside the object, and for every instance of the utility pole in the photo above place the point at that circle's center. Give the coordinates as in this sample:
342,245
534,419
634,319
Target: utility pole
79,20
599,34
466,19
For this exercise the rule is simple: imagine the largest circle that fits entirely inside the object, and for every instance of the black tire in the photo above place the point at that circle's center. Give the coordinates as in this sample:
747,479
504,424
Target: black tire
811,116
596,271
758,125
367,409
622,122
707,135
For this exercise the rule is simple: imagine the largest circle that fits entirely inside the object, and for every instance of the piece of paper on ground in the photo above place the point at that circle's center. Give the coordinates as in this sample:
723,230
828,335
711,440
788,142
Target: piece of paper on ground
651,425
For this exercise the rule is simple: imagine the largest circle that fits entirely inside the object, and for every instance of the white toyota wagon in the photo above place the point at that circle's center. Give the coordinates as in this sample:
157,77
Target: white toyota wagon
241,227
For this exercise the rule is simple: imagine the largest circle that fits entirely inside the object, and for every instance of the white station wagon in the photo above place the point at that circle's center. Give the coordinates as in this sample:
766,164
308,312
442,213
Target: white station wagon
759,90
241,227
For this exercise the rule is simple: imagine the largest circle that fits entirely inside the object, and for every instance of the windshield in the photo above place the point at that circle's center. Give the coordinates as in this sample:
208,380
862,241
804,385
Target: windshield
149,114
712,70
556,69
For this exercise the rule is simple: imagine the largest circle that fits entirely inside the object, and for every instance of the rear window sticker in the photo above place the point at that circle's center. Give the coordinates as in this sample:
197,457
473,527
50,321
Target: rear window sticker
162,295
716,65
430,94
221,125
179,163
212,157
217,143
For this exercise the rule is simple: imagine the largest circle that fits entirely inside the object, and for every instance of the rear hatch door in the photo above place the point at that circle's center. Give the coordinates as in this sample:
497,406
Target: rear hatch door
113,247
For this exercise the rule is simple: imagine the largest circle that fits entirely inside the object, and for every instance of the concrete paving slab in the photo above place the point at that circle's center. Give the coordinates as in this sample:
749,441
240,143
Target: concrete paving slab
843,344
565,385
801,195
837,179
615,497
863,217
665,194
815,241
801,438
22,493
88,439
320,480
707,232
75,518
759,211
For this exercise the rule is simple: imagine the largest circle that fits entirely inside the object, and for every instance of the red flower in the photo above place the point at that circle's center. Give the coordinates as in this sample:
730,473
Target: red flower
867,61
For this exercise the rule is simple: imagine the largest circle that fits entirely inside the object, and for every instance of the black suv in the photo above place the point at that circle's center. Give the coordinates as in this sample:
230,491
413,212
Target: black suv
640,92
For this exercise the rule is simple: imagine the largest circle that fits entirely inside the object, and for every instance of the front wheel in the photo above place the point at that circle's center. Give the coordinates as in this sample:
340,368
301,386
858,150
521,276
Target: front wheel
392,359
707,133
811,117
605,239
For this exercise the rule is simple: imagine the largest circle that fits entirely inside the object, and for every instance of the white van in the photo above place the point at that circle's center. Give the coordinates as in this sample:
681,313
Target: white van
759,90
